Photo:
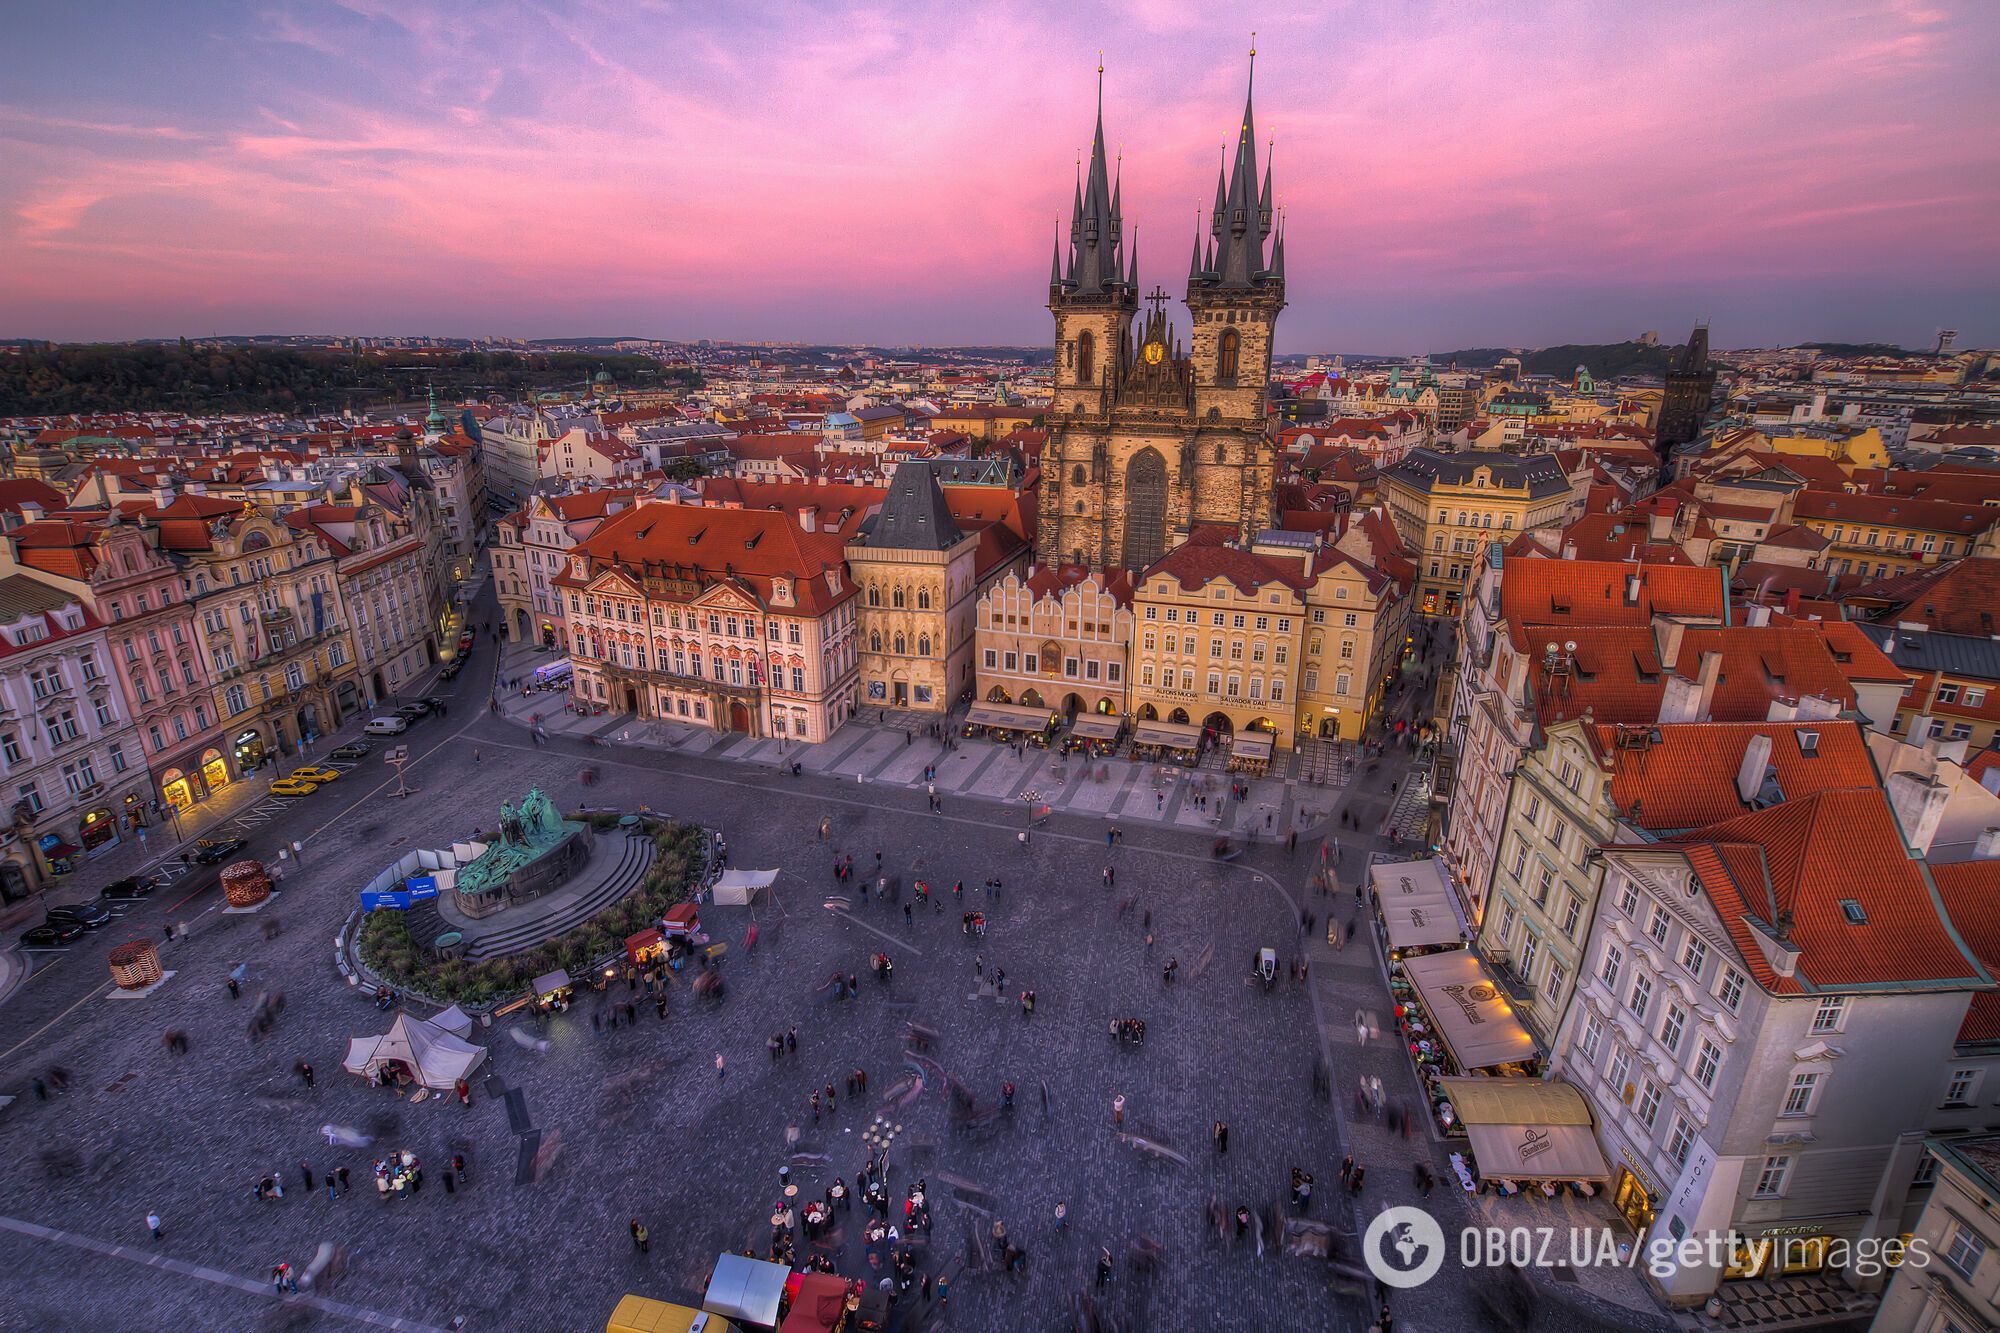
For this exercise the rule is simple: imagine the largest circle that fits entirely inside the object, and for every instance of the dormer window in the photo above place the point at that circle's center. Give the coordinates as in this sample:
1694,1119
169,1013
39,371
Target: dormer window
579,566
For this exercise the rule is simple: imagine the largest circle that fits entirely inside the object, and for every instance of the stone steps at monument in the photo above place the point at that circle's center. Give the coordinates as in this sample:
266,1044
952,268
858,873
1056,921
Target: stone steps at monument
634,859
425,922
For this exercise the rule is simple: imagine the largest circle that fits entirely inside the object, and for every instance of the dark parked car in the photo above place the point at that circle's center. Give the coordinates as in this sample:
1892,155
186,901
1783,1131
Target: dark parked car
88,915
452,668
352,752
413,712
432,702
49,934
129,889
208,851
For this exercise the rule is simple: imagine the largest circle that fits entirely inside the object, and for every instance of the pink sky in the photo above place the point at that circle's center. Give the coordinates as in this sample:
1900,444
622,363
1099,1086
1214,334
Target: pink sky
1453,175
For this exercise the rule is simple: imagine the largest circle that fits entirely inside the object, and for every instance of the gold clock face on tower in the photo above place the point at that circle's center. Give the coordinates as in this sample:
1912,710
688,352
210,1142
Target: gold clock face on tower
1155,353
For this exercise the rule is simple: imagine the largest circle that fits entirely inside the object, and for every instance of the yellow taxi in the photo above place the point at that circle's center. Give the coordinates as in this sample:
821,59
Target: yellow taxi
293,787
314,773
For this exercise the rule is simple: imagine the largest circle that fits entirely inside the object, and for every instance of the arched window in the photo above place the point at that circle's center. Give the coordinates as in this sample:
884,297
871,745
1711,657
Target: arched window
1076,475
896,598
923,599
874,640
923,645
1228,352
902,645
874,595
1086,356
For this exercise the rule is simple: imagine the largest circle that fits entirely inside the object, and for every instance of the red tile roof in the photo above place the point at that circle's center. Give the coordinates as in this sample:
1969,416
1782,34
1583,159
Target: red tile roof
1687,778
1800,860
1593,592
1894,512
1970,891
1958,598
749,546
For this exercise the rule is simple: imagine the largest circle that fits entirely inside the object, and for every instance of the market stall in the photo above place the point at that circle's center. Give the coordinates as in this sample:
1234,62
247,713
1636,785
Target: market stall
1527,1132
819,1303
552,990
1007,722
644,948
1095,734
413,1051
1414,905
682,920
1178,741
1250,752
747,1290
739,888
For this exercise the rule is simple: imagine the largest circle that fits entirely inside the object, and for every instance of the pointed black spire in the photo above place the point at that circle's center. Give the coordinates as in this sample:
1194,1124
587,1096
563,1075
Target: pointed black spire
1243,212
1096,259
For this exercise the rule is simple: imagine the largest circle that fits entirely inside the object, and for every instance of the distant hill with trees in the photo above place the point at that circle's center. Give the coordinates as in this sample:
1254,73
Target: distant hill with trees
192,377
1606,360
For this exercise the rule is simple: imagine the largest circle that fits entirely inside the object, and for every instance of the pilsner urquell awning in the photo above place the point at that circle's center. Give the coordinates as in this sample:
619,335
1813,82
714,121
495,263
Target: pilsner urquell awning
1251,745
1527,1128
1173,735
1468,1010
1094,727
1416,904
1008,717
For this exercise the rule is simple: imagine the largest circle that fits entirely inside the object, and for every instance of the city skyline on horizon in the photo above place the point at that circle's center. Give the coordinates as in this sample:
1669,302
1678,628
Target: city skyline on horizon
414,171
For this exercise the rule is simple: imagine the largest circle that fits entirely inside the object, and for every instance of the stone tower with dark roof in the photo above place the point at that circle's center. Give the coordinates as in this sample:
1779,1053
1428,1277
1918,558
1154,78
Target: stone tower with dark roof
1146,438
1690,385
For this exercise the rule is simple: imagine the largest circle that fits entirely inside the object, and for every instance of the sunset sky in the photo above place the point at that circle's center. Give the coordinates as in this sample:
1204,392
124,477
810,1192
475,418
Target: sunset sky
1453,174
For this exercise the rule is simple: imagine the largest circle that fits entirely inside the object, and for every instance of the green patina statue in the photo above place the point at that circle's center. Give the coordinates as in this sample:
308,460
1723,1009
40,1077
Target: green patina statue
527,832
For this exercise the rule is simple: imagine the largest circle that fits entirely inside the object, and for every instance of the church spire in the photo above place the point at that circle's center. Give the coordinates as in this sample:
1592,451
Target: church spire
1096,249
1244,221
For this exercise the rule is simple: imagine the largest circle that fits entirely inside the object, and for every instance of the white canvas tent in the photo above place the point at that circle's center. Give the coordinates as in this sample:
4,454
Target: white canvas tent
455,1021
739,888
433,1056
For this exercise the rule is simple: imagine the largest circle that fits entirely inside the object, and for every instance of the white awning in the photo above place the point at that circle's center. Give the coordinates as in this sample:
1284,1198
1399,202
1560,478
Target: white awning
1095,727
1469,1010
1416,903
738,888
550,982
1527,1128
1173,735
1012,717
746,1289
1251,745
433,1056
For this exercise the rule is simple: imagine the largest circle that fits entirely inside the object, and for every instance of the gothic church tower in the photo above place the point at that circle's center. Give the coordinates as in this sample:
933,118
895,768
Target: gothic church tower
1147,439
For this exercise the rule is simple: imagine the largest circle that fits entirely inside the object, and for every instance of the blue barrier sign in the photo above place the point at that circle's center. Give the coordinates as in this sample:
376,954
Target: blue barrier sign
421,888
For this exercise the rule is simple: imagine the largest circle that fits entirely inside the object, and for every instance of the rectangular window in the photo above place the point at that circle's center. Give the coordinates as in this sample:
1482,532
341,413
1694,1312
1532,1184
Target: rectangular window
1964,1250
1959,1091
1771,1178
1799,1098
1947,694
1673,1027
1593,1036
1641,997
1730,992
1831,1014
1621,1065
1572,913
1649,1103
1530,946
1681,1141
1613,961
1520,861
1507,920
117,757
1659,925
10,747
1628,899
1013,661
1707,1063
992,659
1545,883
1694,957
31,797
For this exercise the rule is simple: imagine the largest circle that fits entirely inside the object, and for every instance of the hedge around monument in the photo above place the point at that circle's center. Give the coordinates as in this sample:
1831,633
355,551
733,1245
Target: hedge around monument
391,953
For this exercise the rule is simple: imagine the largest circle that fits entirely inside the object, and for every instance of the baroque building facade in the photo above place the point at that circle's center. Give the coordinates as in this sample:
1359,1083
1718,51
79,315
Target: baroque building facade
1150,437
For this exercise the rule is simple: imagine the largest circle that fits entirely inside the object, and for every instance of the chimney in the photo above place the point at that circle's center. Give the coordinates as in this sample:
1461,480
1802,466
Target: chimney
1711,671
1988,846
1750,773
809,518
31,512
1757,615
1919,803
163,491
1659,524
1791,601
1632,582
1667,633
1569,550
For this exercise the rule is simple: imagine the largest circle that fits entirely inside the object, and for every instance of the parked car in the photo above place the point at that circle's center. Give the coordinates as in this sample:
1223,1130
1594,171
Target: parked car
465,642
86,914
452,668
411,712
387,726
352,752
293,787
432,702
49,934
129,889
208,851
314,773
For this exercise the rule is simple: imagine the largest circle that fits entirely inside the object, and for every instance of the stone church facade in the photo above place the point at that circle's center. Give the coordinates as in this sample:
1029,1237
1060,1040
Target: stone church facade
1151,434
